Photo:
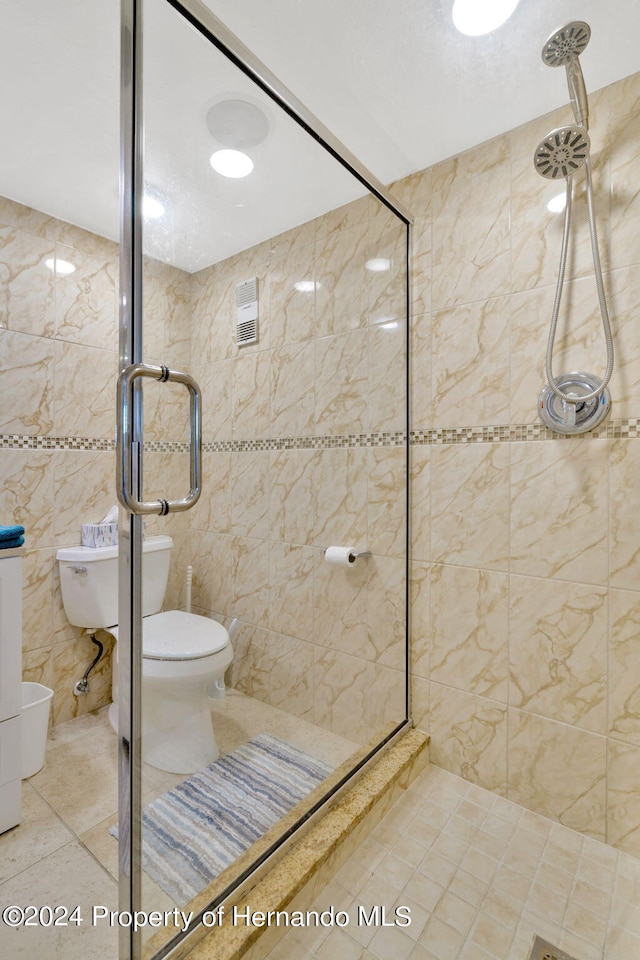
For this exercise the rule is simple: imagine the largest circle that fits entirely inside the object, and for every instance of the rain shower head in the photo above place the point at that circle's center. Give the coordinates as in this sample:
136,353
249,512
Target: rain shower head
562,152
562,49
566,44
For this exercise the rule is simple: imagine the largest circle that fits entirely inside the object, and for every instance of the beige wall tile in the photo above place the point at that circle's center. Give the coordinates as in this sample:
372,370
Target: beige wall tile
213,559
251,667
387,394
251,393
624,666
293,310
85,391
293,476
624,303
558,651
340,693
421,406
420,618
625,522
86,298
464,166
213,510
386,610
77,500
37,598
342,284
470,505
250,493
568,539
292,390
385,700
625,196
340,497
387,289
471,372
420,502
291,576
17,215
469,736
471,229
291,675
469,630
420,705
341,383
340,596
250,599
215,380
558,771
387,504
27,300
211,335
27,493
70,660
623,797
421,265
26,371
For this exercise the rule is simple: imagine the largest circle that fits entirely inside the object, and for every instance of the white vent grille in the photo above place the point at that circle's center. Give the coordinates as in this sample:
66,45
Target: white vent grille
247,312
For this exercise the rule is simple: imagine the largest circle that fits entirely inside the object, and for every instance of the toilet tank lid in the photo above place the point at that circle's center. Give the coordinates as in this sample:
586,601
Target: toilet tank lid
90,554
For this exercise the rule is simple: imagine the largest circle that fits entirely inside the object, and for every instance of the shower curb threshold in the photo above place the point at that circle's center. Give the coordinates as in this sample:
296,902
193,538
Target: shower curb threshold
312,862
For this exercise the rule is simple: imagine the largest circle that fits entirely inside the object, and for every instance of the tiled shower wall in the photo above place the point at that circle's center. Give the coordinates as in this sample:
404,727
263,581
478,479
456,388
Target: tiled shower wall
58,363
302,452
526,574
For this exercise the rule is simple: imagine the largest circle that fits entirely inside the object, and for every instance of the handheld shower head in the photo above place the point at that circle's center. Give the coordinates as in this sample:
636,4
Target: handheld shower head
562,152
562,49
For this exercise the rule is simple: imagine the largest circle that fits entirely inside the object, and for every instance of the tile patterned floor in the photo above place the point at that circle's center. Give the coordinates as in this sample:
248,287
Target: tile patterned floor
62,852
482,877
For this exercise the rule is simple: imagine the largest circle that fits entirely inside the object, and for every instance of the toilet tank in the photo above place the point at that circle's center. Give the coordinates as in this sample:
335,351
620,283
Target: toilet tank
89,581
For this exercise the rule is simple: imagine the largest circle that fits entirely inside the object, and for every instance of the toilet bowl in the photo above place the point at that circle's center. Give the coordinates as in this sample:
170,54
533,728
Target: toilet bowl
182,653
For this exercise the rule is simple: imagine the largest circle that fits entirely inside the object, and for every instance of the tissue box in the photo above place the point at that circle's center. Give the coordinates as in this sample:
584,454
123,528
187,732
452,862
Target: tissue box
99,534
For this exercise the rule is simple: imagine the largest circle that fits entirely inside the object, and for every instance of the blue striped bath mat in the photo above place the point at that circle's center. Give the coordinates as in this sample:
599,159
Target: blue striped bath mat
192,832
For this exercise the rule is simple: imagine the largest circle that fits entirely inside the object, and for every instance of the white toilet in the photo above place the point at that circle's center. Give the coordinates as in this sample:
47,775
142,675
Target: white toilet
182,653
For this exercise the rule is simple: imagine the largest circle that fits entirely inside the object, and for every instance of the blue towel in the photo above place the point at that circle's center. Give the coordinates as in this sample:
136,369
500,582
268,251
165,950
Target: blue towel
13,542
11,533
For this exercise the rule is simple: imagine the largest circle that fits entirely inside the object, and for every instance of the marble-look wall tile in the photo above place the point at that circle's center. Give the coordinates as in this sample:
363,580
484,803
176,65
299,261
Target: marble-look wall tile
568,539
387,289
387,610
387,503
293,308
420,402
421,266
469,630
558,651
471,229
341,383
86,299
624,666
471,372
291,603
293,475
251,391
420,619
340,497
340,693
420,705
624,519
77,500
625,196
558,771
70,660
341,280
624,303
213,510
292,390
385,700
291,673
250,599
27,294
21,217
387,396
349,215
37,598
340,619
215,380
212,556
211,335
37,667
623,797
470,505
469,736
27,493
251,667
85,391
464,166
26,384
250,493
420,503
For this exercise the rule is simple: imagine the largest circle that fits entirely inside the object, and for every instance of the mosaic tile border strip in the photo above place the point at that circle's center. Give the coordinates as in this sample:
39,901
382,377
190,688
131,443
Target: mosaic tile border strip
611,430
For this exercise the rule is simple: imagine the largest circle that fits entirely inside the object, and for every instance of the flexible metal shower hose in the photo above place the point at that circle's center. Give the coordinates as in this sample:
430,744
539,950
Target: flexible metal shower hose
604,313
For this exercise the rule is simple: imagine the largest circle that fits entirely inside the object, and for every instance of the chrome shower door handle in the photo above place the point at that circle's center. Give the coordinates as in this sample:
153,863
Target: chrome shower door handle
125,440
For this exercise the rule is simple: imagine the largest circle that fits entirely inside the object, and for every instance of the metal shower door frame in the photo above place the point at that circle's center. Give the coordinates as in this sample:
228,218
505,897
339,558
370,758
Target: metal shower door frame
131,355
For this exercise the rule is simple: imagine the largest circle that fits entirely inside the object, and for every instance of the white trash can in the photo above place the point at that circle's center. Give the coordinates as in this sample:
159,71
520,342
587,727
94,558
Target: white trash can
36,701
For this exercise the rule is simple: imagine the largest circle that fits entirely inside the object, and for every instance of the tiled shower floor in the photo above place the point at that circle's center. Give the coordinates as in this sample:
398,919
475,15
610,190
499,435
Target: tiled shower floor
482,876
62,853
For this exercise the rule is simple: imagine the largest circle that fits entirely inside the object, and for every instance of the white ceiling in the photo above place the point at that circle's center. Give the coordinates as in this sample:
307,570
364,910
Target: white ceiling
396,83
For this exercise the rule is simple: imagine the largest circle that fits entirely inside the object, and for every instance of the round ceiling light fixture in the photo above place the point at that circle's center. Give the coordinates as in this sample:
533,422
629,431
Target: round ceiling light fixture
475,18
237,124
231,163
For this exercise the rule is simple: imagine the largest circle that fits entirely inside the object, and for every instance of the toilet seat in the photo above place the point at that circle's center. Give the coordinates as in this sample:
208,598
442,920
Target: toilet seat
176,635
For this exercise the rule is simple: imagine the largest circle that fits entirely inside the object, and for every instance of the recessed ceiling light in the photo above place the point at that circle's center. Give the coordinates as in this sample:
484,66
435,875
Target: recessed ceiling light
477,17
378,264
558,203
61,268
152,209
231,163
306,286
237,124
